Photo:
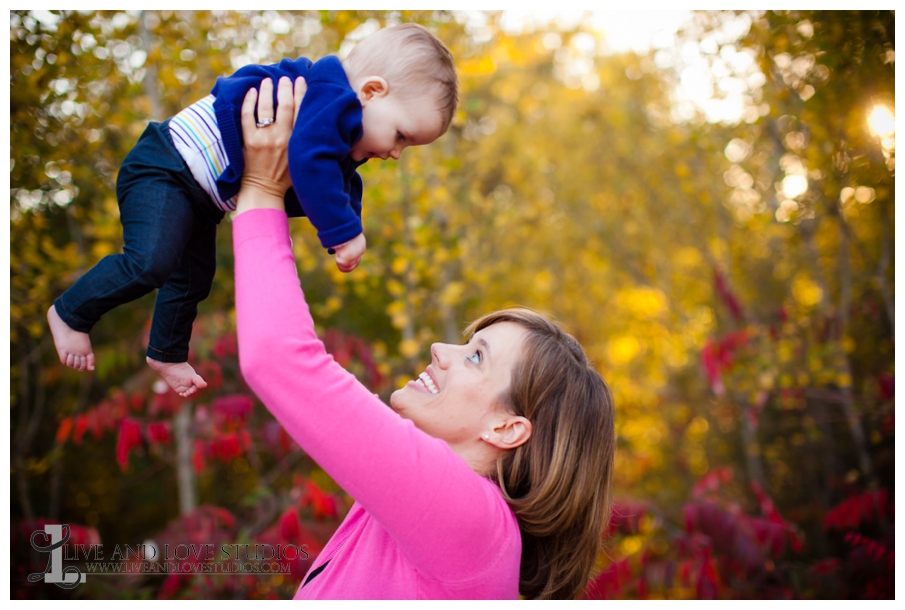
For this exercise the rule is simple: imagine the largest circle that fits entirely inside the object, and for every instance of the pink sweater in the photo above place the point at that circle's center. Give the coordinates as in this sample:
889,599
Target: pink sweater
424,524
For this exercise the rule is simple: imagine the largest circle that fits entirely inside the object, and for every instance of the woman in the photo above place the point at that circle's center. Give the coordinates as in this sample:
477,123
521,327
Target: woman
489,478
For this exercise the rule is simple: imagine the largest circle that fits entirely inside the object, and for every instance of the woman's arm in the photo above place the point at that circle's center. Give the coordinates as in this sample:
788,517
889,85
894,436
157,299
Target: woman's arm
447,519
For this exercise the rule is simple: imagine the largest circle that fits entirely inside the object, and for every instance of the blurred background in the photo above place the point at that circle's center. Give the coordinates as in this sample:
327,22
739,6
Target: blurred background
704,200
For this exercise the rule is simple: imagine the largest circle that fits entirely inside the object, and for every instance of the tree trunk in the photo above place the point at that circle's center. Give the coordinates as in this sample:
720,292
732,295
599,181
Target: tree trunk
56,468
185,473
408,329
883,268
848,403
150,84
751,448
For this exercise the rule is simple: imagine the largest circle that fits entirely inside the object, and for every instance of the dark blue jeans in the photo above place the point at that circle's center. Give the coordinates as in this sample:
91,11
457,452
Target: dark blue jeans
169,243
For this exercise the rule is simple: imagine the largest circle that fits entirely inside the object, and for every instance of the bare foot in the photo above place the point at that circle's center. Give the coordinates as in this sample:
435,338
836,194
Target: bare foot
73,347
179,375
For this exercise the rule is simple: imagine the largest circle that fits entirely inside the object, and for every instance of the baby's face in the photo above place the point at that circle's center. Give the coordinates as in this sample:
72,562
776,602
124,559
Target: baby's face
392,122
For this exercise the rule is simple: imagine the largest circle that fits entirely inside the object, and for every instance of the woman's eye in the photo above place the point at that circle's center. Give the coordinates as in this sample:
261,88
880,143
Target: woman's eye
475,357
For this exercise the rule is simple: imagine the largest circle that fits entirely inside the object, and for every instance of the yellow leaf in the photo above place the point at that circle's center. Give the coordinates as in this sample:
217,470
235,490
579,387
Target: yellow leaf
645,302
401,380
396,308
400,320
784,352
698,427
408,348
688,257
452,293
395,287
332,304
631,545
398,266
806,291
543,281
623,349
100,249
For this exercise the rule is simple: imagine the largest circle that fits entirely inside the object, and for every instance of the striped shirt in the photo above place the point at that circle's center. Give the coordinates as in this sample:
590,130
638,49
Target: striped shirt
197,138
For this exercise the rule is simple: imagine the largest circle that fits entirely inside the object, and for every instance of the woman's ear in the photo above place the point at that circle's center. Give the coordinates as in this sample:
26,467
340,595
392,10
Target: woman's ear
509,432
371,87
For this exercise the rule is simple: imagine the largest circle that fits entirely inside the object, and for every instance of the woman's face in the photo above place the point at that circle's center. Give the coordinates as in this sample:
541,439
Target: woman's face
456,397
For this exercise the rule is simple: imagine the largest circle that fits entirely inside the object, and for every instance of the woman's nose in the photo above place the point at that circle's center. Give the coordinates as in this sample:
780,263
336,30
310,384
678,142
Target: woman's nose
440,354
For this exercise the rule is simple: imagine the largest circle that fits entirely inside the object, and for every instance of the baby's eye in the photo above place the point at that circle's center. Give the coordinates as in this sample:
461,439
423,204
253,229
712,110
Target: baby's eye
476,357
400,137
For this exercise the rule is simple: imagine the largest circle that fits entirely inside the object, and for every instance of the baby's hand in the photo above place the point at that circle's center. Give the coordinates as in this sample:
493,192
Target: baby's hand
349,254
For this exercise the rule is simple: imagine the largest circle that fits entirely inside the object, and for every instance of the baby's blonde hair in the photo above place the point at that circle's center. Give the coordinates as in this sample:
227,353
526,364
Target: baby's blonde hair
412,61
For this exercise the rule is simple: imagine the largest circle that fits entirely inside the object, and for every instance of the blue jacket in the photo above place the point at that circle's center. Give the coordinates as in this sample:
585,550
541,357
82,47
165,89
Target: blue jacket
325,184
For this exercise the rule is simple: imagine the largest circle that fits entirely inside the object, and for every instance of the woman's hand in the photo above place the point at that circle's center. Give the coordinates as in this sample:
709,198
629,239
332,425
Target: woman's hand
266,177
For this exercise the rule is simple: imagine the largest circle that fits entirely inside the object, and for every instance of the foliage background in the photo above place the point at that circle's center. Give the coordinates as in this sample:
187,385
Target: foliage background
734,283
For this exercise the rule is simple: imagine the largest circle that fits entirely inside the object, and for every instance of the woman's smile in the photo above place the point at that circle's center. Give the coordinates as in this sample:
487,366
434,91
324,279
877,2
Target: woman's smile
428,383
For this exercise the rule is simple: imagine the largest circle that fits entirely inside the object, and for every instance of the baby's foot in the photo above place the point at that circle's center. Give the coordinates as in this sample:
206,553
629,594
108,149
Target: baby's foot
73,347
180,375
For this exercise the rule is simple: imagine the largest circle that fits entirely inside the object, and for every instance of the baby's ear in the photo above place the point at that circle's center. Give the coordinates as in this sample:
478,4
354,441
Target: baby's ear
371,87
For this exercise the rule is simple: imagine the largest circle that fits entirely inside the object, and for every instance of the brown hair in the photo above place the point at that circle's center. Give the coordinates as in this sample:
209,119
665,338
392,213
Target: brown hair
410,59
557,483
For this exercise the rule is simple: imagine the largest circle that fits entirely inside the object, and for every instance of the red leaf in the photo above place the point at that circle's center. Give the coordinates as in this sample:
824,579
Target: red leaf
882,497
165,403
777,540
107,415
79,534
158,433
225,346
685,573
94,423
796,543
849,513
285,440
128,439
64,429
212,372
237,404
198,457
290,526
689,516
867,501
81,424
712,481
706,587
887,386
169,587
726,295
119,405
323,504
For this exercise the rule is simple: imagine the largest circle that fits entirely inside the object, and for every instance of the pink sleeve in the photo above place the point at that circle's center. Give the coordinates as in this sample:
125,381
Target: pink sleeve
442,514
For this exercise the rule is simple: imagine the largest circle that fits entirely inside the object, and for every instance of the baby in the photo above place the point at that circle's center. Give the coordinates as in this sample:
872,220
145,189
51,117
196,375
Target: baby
396,88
